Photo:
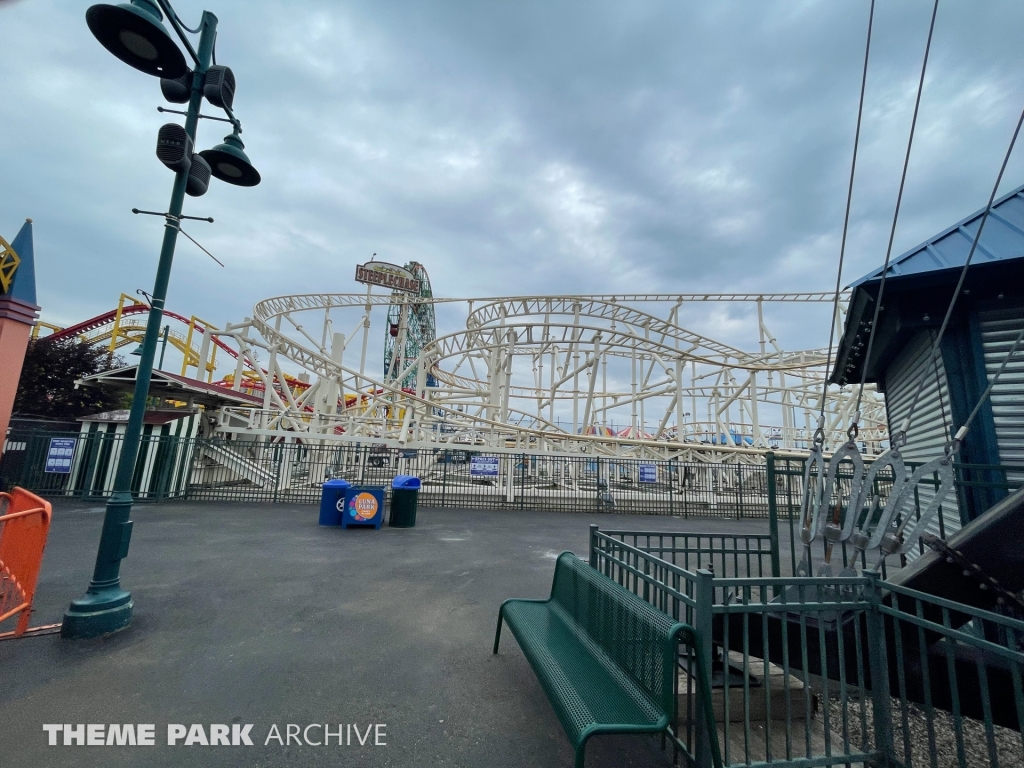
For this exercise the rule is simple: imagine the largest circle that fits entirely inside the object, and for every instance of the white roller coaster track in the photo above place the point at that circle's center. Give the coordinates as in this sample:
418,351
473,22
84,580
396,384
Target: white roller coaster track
544,374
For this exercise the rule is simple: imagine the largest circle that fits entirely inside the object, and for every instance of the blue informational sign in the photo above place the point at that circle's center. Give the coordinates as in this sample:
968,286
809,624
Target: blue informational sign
62,450
648,473
483,466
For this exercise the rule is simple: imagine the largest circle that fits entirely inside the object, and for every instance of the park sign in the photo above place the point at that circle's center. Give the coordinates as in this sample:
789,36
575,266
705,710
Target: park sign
483,466
58,458
387,276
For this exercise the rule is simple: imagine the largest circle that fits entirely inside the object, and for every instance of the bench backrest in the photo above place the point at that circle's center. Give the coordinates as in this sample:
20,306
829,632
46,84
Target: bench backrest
635,634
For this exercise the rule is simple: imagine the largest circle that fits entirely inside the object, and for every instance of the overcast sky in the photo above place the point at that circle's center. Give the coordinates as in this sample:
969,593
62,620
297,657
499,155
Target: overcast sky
512,147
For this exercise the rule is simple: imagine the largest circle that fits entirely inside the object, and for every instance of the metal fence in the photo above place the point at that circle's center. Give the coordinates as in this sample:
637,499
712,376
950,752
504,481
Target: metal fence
834,671
171,467
467,478
163,466
293,471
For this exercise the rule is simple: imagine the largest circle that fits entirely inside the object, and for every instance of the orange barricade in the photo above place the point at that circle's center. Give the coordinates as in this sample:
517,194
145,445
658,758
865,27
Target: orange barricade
24,526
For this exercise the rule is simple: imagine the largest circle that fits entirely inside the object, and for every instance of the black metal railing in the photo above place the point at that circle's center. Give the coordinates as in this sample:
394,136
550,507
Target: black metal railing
833,671
82,464
293,470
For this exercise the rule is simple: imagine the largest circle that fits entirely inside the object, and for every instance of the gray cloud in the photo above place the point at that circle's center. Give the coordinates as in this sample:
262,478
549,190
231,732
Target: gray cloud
518,147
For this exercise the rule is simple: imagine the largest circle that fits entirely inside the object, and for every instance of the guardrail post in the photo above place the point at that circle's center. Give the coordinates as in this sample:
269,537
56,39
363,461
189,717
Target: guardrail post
773,515
671,487
445,457
739,491
277,470
879,665
593,546
522,482
705,596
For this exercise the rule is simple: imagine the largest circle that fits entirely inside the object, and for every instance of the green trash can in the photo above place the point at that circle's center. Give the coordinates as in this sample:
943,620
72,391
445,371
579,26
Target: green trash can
405,493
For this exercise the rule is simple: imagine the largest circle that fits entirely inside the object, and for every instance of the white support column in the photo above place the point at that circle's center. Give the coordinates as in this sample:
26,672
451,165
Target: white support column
506,376
632,360
551,401
421,376
236,385
755,422
760,324
576,368
679,399
268,392
334,390
693,390
593,370
327,326
494,371
204,352
366,335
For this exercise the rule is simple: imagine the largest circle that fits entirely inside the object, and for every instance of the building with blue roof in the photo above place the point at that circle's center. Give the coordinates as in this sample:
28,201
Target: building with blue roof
988,315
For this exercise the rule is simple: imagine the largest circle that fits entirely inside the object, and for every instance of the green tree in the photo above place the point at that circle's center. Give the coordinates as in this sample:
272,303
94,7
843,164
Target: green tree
47,383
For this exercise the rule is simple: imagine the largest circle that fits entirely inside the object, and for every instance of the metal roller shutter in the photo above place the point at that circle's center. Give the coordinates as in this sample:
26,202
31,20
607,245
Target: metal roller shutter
931,423
999,329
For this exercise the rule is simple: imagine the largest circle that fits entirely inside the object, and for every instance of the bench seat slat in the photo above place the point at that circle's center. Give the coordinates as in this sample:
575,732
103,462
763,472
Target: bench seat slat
583,683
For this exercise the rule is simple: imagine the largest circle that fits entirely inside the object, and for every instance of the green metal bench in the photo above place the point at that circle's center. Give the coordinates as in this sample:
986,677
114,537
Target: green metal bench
605,658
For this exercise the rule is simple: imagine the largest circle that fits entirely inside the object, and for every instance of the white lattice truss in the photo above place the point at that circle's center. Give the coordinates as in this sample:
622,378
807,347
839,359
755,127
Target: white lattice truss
543,374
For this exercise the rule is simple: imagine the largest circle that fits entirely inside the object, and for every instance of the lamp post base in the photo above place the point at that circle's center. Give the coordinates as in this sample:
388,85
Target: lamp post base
98,614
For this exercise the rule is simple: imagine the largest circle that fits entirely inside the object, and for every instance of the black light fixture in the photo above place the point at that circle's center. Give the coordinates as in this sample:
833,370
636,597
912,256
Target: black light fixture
219,86
198,177
135,34
137,352
229,163
177,90
174,147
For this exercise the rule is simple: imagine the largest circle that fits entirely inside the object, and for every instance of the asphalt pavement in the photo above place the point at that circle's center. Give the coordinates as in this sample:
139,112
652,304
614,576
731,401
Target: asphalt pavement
256,615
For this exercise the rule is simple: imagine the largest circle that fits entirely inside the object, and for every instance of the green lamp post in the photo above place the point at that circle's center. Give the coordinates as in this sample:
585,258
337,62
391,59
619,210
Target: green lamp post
135,34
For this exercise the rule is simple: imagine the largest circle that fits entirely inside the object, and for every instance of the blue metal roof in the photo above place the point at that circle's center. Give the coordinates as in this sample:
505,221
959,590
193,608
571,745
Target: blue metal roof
1003,238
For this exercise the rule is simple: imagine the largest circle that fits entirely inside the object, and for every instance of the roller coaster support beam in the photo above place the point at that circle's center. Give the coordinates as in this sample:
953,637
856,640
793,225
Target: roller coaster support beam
106,607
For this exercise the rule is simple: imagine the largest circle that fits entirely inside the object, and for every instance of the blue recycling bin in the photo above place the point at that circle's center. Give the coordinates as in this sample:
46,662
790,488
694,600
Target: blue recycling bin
332,501
405,491
364,506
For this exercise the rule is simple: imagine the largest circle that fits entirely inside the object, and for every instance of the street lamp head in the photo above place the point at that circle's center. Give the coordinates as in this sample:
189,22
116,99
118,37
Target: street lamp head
229,163
134,33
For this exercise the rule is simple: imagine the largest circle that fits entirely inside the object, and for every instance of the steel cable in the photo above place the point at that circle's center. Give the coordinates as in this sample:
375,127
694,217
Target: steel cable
895,219
960,284
988,390
846,221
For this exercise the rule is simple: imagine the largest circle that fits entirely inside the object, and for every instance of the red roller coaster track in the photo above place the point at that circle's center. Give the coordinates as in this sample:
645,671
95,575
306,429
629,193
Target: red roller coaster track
107,318
132,309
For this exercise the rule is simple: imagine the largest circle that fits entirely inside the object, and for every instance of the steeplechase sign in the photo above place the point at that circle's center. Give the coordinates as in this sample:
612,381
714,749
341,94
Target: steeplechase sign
387,276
